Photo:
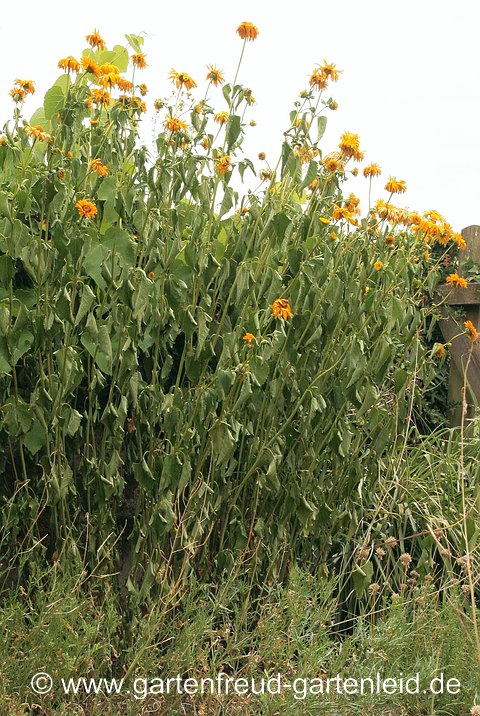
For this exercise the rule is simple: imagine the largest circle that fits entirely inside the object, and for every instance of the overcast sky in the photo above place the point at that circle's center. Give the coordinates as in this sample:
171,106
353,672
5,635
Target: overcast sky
410,83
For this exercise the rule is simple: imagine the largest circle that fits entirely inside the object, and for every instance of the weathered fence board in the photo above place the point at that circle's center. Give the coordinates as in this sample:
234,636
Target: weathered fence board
453,332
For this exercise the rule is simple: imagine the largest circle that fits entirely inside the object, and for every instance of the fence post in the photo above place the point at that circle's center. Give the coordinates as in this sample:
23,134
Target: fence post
454,333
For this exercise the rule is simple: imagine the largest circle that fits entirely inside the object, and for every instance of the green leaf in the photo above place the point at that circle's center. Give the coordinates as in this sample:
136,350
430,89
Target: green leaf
93,262
143,475
86,302
280,223
38,117
64,82
310,175
362,576
322,125
121,58
36,438
227,202
119,242
53,102
233,130
135,41
107,189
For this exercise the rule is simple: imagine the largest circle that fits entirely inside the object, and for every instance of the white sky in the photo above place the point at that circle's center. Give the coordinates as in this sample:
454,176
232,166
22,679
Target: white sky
410,84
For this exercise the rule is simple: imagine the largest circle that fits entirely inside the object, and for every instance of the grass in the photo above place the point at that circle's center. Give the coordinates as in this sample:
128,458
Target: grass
73,632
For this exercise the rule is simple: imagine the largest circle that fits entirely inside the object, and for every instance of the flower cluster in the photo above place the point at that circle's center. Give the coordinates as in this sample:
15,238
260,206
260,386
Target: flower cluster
350,146
322,74
247,31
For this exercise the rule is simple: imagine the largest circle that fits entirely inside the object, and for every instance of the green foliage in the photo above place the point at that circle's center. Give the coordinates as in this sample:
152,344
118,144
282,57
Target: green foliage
139,428
72,629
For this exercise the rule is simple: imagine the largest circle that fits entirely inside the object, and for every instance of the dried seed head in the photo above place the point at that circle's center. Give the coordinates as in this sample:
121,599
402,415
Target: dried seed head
463,562
363,552
380,552
405,559
391,542
374,588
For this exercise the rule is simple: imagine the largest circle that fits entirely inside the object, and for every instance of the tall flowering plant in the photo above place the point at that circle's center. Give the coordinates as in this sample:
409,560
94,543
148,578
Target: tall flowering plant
188,375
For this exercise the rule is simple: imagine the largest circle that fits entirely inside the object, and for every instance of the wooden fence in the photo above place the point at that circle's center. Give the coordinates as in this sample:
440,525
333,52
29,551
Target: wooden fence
453,330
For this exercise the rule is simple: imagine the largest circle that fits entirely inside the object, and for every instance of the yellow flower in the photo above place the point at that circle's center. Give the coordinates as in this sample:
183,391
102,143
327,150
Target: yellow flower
173,124
37,132
247,31
392,213
378,265
460,241
214,76
343,212
439,350
298,122
330,71
281,309
350,146
206,143
69,64
124,85
373,170
108,69
325,220
138,60
223,164
94,40
390,239
89,65
86,208
455,280
471,330
249,338
18,94
97,166
143,89
100,97
181,79
433,215
110,80
221,117
353,204
396,186
27,85
3,140
318,79
332,162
